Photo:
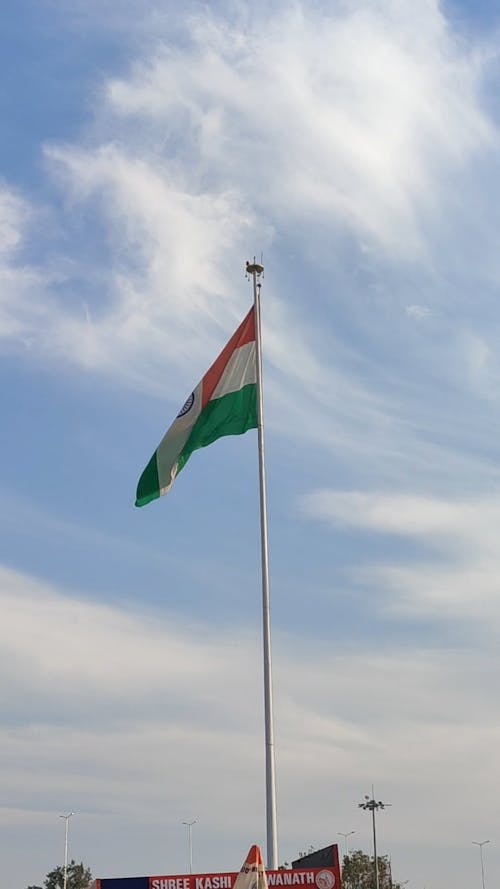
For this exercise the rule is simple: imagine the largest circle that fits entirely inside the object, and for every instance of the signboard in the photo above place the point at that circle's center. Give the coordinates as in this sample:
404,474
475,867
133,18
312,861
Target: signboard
313,877
323,872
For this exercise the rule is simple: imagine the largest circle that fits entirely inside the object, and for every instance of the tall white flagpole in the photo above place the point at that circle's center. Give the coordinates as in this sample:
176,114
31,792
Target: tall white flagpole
255,270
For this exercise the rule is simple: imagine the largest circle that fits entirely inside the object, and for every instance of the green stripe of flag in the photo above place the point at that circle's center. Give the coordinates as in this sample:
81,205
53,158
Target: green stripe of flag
148,488
231,414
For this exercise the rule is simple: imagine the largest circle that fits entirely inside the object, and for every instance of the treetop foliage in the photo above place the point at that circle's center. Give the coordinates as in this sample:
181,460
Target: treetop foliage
78,877
358,872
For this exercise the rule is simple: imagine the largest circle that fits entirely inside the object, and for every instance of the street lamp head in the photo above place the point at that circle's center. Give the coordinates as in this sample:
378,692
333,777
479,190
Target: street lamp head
372,805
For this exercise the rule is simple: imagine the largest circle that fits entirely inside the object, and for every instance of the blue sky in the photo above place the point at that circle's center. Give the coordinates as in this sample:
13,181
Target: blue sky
147,152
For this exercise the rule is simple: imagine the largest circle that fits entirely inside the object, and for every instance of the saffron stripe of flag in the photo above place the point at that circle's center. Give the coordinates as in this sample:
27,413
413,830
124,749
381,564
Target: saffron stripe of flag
223,403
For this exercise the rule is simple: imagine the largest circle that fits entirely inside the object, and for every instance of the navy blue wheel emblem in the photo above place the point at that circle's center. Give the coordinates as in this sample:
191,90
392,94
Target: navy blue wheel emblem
187,406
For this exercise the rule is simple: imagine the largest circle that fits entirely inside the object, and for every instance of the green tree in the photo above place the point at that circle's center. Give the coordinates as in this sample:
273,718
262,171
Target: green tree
358,872
79,877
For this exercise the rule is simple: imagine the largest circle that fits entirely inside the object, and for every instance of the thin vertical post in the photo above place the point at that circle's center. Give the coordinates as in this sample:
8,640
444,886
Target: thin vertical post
189,825
484,843
482,865
255,270
66,821
375,856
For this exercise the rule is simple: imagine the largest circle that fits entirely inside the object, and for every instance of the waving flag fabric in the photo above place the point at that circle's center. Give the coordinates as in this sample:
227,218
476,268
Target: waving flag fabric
223,403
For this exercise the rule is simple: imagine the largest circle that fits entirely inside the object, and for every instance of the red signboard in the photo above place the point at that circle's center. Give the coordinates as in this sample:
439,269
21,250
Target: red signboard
312,877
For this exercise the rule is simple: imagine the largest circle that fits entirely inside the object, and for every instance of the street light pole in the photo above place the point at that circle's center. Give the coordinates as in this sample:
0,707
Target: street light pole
189,825
372,805
66,820
484,842
346,835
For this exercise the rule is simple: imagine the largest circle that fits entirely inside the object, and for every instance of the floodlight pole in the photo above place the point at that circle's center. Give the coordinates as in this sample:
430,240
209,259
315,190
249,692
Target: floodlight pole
66,820
375,856
254,270
372,805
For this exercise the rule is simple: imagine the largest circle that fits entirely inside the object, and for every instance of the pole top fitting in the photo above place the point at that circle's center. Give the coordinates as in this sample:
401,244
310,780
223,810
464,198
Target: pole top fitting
254,268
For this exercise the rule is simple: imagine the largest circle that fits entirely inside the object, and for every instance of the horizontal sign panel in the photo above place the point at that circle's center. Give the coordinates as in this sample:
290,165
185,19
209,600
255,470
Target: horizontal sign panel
314,877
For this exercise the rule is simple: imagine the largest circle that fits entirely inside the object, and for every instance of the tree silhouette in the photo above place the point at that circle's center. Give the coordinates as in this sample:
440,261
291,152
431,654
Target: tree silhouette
78,877
358,872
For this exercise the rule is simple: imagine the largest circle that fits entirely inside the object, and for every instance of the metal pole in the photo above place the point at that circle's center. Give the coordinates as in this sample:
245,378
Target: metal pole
189,825
482,863
372,805
375,857
66,820
255,270
481,854
346,835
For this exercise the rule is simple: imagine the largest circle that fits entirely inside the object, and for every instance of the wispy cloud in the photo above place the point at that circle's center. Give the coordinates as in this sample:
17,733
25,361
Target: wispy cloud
457,576
155,700
24,296
359,117
188,165
356,144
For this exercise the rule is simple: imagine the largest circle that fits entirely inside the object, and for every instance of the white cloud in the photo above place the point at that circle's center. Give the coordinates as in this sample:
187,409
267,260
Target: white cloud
168,287
87,650
420,313
323,123
359,117
338,119
457,524
14,213
393,513
23,295
353,145
458,577
128,715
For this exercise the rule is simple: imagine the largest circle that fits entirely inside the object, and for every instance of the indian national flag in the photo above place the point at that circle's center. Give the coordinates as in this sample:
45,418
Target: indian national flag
223,403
